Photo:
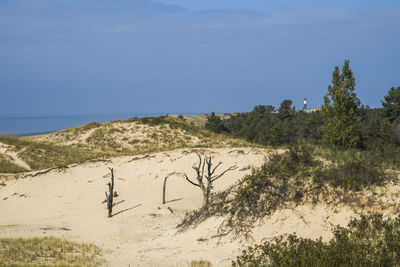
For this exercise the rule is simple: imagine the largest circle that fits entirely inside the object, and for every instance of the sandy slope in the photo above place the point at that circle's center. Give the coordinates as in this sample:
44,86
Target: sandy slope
143,232
67,203
6,151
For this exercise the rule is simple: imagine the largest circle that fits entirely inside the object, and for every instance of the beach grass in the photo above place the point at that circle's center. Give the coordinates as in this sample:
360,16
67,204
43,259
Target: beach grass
6,166
105,140
48,251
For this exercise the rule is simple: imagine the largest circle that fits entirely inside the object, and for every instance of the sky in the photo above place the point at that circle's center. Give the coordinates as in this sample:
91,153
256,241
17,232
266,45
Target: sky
72,57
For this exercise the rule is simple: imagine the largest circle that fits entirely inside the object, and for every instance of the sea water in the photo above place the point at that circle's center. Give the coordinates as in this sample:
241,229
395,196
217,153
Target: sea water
25,126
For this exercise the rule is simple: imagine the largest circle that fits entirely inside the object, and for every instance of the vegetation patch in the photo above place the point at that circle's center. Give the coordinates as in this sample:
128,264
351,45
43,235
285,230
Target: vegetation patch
200,263
368,241
48,251
40,155
275,183
288,179
353,170
7,166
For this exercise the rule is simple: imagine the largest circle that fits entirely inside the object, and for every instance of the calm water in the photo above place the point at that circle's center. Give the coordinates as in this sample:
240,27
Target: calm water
40,125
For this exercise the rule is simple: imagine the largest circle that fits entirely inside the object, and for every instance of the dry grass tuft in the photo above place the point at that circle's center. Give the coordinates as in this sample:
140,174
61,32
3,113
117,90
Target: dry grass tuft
48,251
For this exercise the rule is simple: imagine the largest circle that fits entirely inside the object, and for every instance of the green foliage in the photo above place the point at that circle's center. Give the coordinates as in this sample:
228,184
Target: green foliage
340,110
352,170
47,251
295,163
43,155
215,124
369,241
286,111
391,105
376,131
6,166
266,127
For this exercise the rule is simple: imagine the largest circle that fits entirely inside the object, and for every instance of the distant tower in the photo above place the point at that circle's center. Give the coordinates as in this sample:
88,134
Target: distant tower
305,104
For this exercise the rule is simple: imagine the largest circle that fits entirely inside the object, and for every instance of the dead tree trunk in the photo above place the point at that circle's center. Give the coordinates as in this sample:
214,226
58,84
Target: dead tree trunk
164,189
206,185
110,195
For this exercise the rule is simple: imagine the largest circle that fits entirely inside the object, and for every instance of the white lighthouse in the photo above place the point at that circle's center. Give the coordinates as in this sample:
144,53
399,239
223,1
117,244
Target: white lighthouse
305,103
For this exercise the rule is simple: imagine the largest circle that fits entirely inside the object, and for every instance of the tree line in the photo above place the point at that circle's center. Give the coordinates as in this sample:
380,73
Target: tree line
342,122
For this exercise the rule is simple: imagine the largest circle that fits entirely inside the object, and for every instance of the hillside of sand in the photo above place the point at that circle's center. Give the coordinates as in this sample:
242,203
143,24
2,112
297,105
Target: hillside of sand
67,201
94,141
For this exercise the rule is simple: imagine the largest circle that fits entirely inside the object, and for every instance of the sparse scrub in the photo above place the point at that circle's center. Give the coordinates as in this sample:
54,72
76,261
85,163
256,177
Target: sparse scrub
352,170
40,155
44,155
70,146
288,179
84,128
259,194
7,166
201,263
47,251
369,241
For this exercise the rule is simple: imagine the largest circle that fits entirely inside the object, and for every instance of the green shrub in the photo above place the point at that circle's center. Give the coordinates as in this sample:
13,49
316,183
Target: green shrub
352,170
369,241
296,161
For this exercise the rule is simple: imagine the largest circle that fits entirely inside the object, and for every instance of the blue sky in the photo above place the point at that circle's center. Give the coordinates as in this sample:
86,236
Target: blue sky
186,56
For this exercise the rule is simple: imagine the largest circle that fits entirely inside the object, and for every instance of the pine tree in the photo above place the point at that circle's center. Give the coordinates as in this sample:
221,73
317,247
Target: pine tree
340,110
391,105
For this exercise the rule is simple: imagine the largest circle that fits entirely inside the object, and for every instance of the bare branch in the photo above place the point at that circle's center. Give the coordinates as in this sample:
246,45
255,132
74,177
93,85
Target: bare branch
227,170
215,168
187,178
202,171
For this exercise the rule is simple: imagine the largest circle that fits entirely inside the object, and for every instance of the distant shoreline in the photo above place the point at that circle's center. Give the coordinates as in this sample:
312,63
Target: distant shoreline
29,126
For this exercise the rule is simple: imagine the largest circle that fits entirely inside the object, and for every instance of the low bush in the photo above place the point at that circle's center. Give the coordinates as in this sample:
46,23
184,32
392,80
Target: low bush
368,241
352,170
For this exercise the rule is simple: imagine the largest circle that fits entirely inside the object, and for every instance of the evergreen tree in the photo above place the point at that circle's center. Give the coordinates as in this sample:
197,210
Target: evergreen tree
215,124
340,110
286,111
391,105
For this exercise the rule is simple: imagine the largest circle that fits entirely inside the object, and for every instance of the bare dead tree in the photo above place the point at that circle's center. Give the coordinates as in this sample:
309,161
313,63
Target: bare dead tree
205,179
110,196
164,188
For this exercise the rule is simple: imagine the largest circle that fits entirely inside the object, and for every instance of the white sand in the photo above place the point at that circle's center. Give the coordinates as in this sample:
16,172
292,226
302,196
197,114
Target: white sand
143,231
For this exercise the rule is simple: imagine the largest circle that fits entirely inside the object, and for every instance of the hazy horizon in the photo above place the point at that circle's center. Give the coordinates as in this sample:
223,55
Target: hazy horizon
188,57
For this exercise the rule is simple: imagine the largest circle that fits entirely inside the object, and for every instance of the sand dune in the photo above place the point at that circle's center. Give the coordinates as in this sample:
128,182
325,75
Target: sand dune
68,203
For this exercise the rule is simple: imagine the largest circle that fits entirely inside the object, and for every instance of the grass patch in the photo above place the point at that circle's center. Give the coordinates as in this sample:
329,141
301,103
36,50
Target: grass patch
200,263
8,167
47,251
369,241
84,128
39,155
353,170
173,123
